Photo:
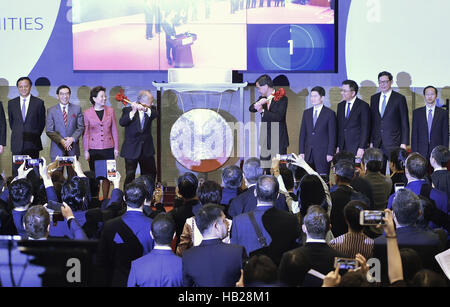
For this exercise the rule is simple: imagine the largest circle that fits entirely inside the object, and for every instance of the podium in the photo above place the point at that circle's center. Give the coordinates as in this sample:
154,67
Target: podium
182,49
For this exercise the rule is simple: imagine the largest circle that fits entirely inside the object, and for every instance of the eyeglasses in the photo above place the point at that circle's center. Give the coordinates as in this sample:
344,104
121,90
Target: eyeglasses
384,82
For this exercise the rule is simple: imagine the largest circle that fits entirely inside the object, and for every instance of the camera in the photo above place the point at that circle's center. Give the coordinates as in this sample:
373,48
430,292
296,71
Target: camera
358,161
398,186
20,159
30,163
65,161
287,158
345,264
368,218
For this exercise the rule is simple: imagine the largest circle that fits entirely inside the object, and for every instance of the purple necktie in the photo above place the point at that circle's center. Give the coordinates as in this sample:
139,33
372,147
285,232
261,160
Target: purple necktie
430,122
24,109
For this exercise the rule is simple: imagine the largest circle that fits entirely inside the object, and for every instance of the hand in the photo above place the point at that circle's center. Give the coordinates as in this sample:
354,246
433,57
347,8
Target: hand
133,107
22,172
404,146
240,282
86,155
276,162
68,143
360,153
1,149
77,168
362,263
116,153
66,211
299,160
157,195
332,279
116,181
389,227
329,158
43,169
141,107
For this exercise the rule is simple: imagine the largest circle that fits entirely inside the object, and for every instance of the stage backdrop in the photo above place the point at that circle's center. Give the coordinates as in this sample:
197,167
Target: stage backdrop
406,38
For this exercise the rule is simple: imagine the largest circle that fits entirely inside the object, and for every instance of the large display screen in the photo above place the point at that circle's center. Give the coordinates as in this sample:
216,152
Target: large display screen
245,35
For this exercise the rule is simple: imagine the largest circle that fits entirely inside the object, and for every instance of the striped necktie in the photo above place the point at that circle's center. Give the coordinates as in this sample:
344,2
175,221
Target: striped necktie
65,116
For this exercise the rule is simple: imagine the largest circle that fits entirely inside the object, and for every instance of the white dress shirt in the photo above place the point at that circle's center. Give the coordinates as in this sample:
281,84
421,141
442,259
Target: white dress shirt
388,96
349,104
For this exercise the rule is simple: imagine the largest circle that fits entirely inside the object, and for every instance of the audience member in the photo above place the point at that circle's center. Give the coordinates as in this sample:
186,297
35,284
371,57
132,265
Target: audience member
231,181
440,176
354,241
397,162
161,267
212,263
428,279
411,263
259,271
293,268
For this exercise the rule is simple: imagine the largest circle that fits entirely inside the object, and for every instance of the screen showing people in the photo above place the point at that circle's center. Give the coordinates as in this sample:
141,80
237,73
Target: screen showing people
247,35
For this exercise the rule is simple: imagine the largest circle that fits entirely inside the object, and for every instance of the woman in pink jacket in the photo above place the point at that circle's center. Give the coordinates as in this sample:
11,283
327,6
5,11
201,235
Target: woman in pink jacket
101,138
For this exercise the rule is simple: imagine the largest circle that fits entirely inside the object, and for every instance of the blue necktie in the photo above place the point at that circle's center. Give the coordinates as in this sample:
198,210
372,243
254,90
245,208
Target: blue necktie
430,122
24,109
315,118
143,122
348,111
383,106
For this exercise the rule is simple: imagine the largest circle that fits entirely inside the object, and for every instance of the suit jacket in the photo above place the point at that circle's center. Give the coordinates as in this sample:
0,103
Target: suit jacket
319,141
275,114
340,198
159,268
138,142
100,134
441,181
392,130
57,130
381,189
439,131
354,132
213,264
279,228
123,240
321,258
246,202
2,125
426,243
182,213
26,135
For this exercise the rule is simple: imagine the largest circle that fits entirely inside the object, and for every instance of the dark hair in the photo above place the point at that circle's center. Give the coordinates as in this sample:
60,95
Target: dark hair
232,177
345,171
417,165
252,170
351,214
288,178
387,74
163,228
94,183
61,87
73,191
373,159
149,184
135,194
209,192
267,188
354,279
94,93
317,222
352,84
258,270
36,222
406,206
207,215
428,278
20,192
343,155
411,262
430,86
398,158
441,155
187,185
293,268
319,90
264,80
311,193
24,78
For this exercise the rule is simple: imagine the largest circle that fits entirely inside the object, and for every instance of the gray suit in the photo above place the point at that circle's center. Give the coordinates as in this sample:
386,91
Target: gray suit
56,130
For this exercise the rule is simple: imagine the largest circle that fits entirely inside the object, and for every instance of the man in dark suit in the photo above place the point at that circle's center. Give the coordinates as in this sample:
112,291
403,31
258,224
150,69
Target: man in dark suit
212,263
317,142
27,122
353,121
2,128
441,176
246,201
272,105
390,118
429,125
317,252
138,145
161,267
406,207
125,238
280,229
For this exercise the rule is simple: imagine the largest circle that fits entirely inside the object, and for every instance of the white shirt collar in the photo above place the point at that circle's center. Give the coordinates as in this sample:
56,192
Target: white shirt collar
309,240
64,106
160,247
135,209
318,108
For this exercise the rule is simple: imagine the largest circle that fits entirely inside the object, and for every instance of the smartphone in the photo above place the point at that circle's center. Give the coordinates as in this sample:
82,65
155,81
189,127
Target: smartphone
20,159
368,218
286,158
111,170
358,161
398,186
345,264
65,161
30,163
54,206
